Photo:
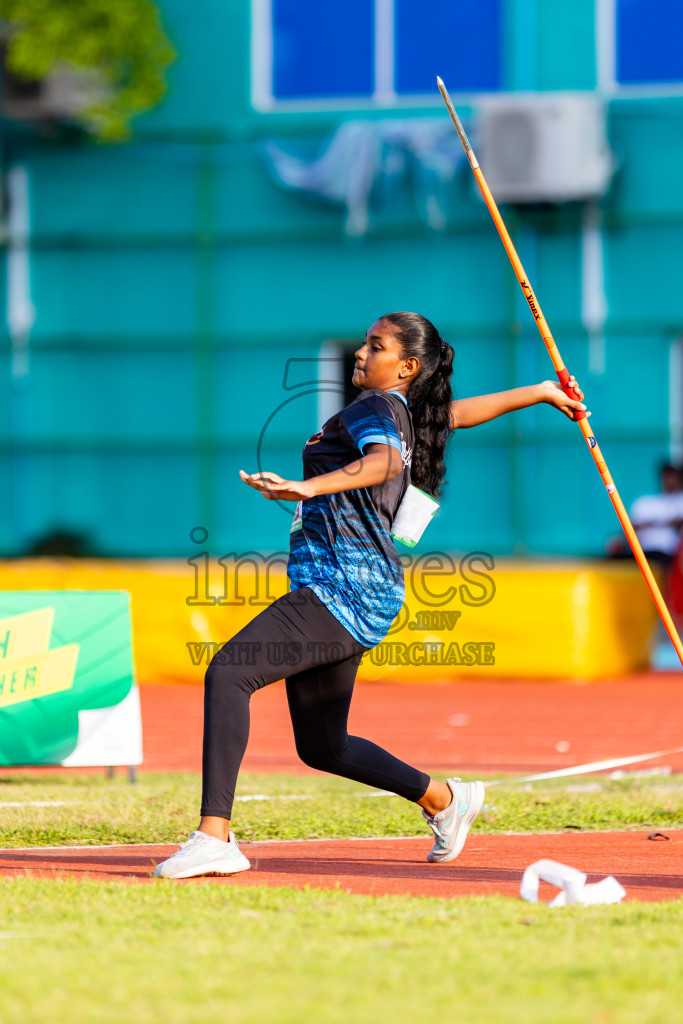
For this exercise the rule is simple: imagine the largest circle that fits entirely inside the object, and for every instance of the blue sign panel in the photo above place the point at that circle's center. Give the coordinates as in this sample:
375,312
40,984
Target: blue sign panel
456,39
649,41
322,49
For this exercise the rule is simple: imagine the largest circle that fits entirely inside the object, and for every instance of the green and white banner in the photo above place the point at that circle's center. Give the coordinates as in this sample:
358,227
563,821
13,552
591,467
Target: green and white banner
68,694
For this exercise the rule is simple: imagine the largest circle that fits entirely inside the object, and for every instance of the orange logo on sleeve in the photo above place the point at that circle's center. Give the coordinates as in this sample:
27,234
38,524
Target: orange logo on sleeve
316,437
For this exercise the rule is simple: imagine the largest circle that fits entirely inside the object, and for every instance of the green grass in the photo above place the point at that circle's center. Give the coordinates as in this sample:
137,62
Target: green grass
102,952
164,808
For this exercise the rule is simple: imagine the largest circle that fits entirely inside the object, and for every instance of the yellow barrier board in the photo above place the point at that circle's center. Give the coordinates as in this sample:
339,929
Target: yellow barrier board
560,620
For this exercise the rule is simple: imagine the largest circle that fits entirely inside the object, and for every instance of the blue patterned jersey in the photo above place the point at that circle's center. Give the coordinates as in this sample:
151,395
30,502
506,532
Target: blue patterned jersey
340,544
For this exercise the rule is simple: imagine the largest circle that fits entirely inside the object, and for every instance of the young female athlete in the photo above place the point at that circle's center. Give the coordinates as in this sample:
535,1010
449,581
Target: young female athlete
346,587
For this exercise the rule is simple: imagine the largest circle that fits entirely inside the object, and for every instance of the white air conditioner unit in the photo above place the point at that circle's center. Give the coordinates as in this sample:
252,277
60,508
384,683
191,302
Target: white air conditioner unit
548,147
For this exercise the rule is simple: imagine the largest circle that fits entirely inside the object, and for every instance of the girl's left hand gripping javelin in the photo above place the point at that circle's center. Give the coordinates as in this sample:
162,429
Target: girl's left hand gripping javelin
274,488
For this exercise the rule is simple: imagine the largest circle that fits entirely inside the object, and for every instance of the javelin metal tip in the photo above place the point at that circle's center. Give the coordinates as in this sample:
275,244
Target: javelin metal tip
458,126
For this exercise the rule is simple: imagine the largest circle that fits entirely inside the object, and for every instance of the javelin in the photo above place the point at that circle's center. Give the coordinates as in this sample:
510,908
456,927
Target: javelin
563,377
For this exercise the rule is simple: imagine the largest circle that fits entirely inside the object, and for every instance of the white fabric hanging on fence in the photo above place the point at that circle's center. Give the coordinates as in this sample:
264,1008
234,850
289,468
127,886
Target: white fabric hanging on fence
362,153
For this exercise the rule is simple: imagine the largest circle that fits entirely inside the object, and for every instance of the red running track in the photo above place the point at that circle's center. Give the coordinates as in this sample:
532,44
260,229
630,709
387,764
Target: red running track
488,725
648,870
495,726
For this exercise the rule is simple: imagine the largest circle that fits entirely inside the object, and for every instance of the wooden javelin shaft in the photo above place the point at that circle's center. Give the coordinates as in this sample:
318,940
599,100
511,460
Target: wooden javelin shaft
563,377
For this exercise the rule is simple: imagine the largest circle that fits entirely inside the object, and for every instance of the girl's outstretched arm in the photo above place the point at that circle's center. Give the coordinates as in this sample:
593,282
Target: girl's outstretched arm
381,462
470,412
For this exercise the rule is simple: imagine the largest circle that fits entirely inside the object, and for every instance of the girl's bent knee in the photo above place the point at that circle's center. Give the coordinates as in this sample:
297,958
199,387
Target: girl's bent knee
319,757
213,672
226,676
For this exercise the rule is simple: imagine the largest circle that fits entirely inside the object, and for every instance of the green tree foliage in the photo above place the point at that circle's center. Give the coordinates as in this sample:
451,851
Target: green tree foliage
118,44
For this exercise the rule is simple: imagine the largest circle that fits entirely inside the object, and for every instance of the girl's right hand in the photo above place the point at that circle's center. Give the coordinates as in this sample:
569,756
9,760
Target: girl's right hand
274,488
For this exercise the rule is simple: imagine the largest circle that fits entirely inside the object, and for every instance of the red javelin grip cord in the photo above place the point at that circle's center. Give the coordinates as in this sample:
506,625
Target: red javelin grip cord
563,377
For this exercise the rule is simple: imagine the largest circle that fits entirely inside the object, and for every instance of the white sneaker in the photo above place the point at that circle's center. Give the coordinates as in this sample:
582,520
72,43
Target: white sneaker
203,854
450,826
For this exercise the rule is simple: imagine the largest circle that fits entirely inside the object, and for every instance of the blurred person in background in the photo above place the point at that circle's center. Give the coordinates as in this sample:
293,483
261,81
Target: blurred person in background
657,520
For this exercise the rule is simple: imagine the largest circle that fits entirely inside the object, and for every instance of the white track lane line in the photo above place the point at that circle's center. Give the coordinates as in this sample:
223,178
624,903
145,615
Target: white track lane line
336,839
36,803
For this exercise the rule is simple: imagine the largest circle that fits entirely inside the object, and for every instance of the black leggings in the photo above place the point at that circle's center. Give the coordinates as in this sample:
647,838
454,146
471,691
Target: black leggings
296,631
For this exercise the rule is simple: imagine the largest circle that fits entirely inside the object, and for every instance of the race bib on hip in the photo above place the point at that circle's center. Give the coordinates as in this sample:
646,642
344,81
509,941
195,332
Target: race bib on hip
297,521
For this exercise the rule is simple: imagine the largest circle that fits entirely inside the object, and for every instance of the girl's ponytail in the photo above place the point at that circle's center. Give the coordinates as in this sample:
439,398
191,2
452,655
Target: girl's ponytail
429,396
